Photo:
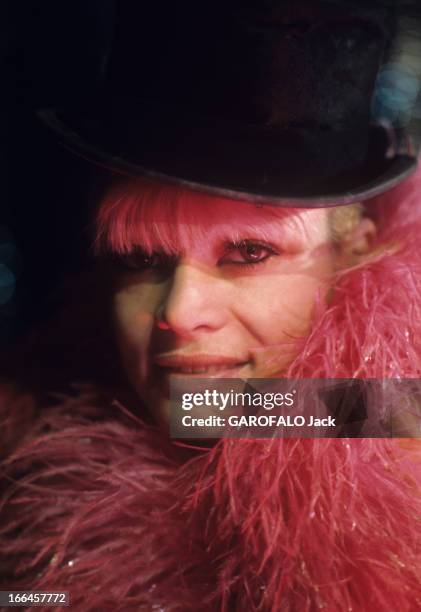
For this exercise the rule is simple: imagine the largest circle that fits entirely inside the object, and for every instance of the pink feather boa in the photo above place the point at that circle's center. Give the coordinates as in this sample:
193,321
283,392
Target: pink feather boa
98,503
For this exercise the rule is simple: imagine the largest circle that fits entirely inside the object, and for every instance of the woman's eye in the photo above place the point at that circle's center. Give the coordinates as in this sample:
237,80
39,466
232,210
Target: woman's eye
248,252
138,261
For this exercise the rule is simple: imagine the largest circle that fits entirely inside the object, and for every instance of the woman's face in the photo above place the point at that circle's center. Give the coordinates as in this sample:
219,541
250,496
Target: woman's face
233,301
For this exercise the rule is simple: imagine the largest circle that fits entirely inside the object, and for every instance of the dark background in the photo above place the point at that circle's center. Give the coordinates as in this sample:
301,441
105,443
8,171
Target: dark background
51,54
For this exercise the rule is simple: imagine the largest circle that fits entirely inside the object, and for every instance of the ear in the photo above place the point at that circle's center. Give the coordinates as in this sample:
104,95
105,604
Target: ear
357,243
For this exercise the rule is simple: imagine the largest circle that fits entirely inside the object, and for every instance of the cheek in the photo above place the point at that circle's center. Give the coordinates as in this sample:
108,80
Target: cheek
133,313
284,308
281,305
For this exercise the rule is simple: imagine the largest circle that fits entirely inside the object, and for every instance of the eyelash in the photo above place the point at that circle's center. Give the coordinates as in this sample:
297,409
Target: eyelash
133,260
237,246
138,261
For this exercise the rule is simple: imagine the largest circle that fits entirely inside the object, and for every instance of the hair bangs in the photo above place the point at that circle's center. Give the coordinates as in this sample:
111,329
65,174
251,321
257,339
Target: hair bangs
172,219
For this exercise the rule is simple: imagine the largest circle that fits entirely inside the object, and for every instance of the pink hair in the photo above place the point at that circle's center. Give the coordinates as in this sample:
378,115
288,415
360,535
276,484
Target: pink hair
170,218
160,216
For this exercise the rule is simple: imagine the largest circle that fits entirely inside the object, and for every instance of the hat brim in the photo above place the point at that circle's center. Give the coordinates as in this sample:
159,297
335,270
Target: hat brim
289,168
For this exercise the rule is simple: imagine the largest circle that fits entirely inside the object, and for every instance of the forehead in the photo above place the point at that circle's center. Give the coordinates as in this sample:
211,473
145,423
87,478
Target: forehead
173,219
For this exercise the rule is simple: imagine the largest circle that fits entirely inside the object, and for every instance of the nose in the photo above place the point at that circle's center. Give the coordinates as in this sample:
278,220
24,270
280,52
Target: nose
194,302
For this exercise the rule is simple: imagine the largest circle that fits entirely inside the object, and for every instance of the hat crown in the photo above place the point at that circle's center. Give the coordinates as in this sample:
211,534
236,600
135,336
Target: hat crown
259,100
275,65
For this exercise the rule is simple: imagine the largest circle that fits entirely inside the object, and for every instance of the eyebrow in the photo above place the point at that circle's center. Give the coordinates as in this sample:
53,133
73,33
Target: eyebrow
273,231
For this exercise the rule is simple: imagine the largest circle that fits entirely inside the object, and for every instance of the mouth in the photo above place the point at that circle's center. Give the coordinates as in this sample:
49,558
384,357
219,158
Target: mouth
200,365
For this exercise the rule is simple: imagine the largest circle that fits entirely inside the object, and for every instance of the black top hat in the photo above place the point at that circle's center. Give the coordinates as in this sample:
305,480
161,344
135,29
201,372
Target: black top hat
305,104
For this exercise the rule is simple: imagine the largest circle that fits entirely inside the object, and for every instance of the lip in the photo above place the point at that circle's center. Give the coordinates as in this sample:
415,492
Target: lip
199,364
